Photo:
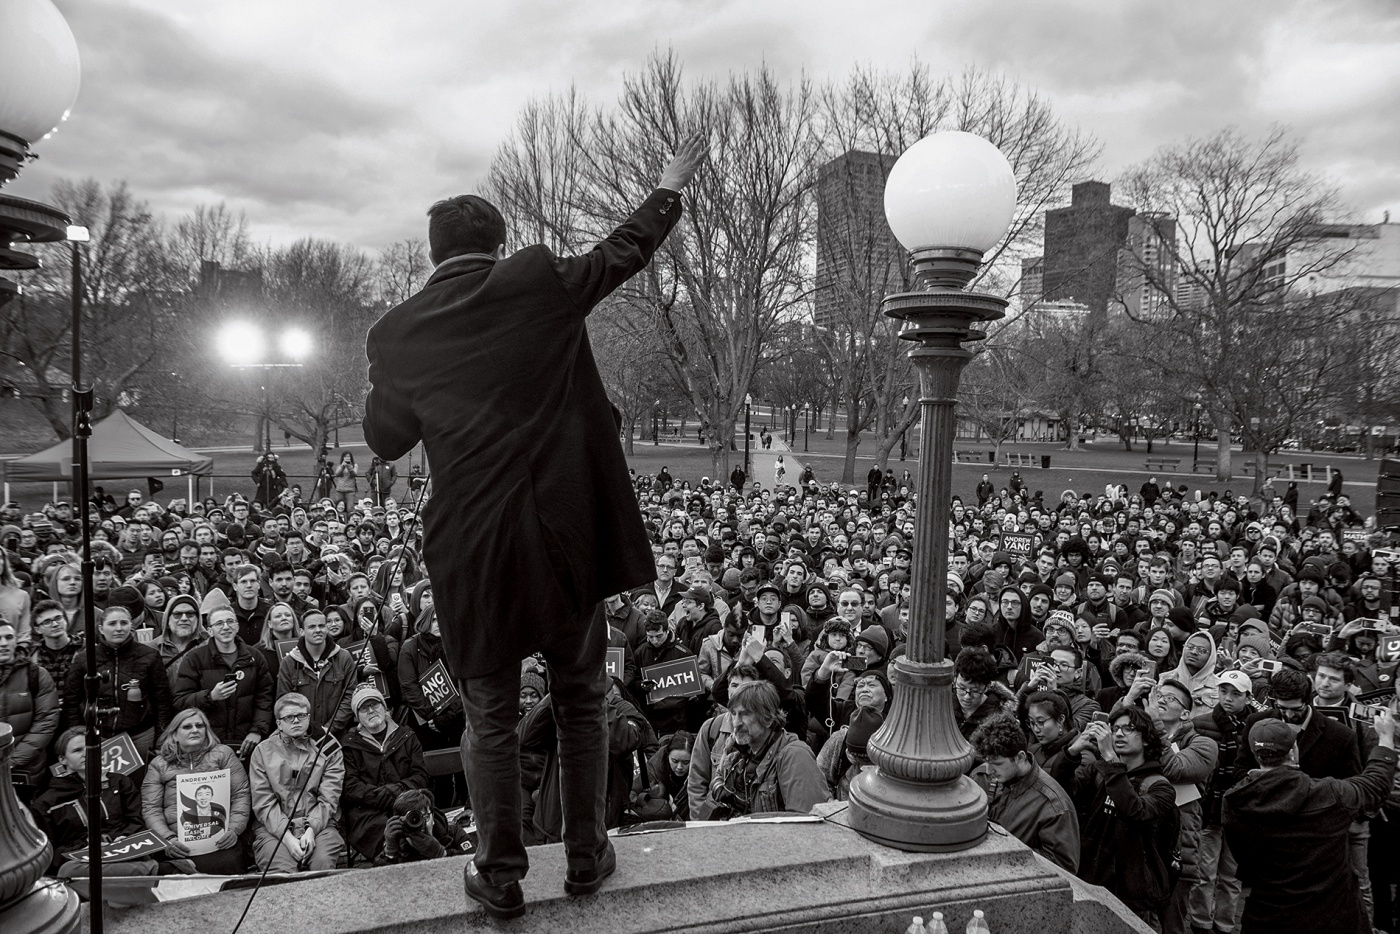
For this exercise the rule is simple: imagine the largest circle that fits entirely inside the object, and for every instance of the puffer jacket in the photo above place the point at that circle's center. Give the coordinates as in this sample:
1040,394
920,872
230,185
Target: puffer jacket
1189,760
249,710
375,774
1227,731
33,716
160,803
300,777
130,661
326,684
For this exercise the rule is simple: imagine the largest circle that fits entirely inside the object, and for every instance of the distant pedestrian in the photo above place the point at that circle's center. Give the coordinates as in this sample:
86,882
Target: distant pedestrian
779,470
1334,485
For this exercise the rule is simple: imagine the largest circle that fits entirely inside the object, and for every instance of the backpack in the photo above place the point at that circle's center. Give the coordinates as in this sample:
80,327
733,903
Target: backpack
1168,835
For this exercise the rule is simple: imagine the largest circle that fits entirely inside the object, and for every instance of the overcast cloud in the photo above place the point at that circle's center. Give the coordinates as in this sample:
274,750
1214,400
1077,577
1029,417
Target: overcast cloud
346,118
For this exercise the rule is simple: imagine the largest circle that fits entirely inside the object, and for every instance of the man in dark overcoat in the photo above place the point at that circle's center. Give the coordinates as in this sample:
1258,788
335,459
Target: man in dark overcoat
533,521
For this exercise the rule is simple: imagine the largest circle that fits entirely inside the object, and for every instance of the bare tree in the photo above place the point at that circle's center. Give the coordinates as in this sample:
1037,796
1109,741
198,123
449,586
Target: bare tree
868,122
995,394
1249,224
132,299
401,270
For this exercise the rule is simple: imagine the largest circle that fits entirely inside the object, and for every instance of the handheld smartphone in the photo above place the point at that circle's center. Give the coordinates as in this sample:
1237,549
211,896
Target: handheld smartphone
230,678
1100,717
1269,666
853,663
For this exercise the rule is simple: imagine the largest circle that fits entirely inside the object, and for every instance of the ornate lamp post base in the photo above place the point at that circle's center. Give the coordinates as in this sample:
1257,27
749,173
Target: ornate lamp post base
919,797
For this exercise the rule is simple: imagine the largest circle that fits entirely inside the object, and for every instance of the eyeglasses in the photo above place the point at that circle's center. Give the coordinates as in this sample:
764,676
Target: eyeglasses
1123,729
223,623
969,690
186,614
295,718
50,620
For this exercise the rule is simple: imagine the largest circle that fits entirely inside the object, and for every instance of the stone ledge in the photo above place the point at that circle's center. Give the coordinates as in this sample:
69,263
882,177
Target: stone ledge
725,878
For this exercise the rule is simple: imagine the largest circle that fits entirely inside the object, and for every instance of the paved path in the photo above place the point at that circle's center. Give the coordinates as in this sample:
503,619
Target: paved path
764,464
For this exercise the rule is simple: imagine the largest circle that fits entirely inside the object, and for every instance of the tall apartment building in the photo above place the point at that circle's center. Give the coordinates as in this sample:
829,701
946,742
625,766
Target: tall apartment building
1082,246
858,258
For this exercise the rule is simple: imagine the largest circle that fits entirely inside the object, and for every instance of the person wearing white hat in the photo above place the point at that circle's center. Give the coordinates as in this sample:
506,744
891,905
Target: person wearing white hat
1214,900
382,760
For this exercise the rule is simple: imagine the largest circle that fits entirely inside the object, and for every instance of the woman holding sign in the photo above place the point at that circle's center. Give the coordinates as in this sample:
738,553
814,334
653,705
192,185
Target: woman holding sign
190,748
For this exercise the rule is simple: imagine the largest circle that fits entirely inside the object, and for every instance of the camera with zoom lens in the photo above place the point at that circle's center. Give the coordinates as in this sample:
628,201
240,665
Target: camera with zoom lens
414,820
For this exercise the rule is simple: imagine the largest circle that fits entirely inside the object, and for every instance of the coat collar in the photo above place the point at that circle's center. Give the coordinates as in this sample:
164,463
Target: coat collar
459,265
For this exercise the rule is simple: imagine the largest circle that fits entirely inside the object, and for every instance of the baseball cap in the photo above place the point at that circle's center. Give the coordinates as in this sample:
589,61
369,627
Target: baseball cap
1237,680
1271,736
700,595
767,587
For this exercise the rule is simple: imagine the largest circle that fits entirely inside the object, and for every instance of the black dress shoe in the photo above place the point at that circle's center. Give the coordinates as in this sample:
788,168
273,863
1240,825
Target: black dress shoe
500,901
588,881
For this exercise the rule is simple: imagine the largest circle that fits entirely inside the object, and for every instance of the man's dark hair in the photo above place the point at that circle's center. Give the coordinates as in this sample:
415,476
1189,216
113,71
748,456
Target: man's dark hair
1152,745
1074,649
1055,701
976,665
1290,684
277,566
464,224
1334,660
750,575
999,736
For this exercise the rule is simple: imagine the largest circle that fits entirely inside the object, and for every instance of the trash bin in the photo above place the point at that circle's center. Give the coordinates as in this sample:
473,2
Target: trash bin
992,458
1045,461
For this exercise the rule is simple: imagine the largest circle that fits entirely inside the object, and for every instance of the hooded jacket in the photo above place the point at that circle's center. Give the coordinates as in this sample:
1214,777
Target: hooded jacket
170,656
1289,834
1203,684
326,684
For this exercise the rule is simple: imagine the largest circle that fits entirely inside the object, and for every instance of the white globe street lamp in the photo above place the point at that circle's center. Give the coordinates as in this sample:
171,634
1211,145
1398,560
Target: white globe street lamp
949,199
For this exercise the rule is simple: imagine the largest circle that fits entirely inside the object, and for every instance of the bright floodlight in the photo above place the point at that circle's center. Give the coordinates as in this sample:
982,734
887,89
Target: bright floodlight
950,190
296,344
77,234
241,343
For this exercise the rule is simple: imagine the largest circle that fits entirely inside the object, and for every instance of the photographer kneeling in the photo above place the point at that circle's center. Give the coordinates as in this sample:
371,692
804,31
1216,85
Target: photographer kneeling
419,831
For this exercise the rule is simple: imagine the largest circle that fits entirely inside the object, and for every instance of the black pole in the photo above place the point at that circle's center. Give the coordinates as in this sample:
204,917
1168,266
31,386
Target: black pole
82,428
1196,448
806,427
747,472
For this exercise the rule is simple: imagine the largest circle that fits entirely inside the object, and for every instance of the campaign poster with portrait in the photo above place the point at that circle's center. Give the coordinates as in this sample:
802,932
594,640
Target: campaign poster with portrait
203,803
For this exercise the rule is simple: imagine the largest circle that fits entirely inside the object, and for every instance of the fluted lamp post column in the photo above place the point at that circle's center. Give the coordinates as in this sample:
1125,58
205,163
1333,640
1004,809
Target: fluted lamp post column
39,75
948,199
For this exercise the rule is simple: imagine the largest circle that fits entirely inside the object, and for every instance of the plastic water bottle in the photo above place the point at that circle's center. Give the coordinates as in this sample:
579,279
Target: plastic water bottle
936,925
916,926
978,924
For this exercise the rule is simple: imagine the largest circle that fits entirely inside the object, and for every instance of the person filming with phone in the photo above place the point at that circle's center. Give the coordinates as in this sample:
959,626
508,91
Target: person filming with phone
1290,831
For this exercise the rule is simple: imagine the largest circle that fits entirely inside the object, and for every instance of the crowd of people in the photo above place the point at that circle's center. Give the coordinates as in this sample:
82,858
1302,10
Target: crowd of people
1180,696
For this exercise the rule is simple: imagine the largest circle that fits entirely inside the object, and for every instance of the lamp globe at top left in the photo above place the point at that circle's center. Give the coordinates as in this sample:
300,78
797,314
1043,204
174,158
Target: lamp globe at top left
39,69
950,190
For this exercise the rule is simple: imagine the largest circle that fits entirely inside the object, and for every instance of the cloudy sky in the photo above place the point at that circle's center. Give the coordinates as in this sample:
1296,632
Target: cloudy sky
346,118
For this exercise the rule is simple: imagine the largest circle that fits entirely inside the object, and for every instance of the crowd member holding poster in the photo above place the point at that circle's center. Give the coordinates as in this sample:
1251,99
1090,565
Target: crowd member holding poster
296,780
189,747
203,813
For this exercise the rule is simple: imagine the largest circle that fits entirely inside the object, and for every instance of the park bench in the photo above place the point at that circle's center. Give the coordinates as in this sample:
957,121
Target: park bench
671,437
1021,460
969,457
1199,466
1163,463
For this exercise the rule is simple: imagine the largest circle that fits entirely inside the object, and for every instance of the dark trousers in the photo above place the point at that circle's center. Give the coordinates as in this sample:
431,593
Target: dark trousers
491,752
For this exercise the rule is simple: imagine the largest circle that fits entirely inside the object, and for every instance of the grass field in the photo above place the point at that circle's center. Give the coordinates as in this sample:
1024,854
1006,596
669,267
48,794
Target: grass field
1091,468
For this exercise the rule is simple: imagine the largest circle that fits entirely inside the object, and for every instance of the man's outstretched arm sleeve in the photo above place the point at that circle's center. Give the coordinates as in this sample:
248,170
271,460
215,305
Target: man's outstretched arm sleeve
593,276
391,428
